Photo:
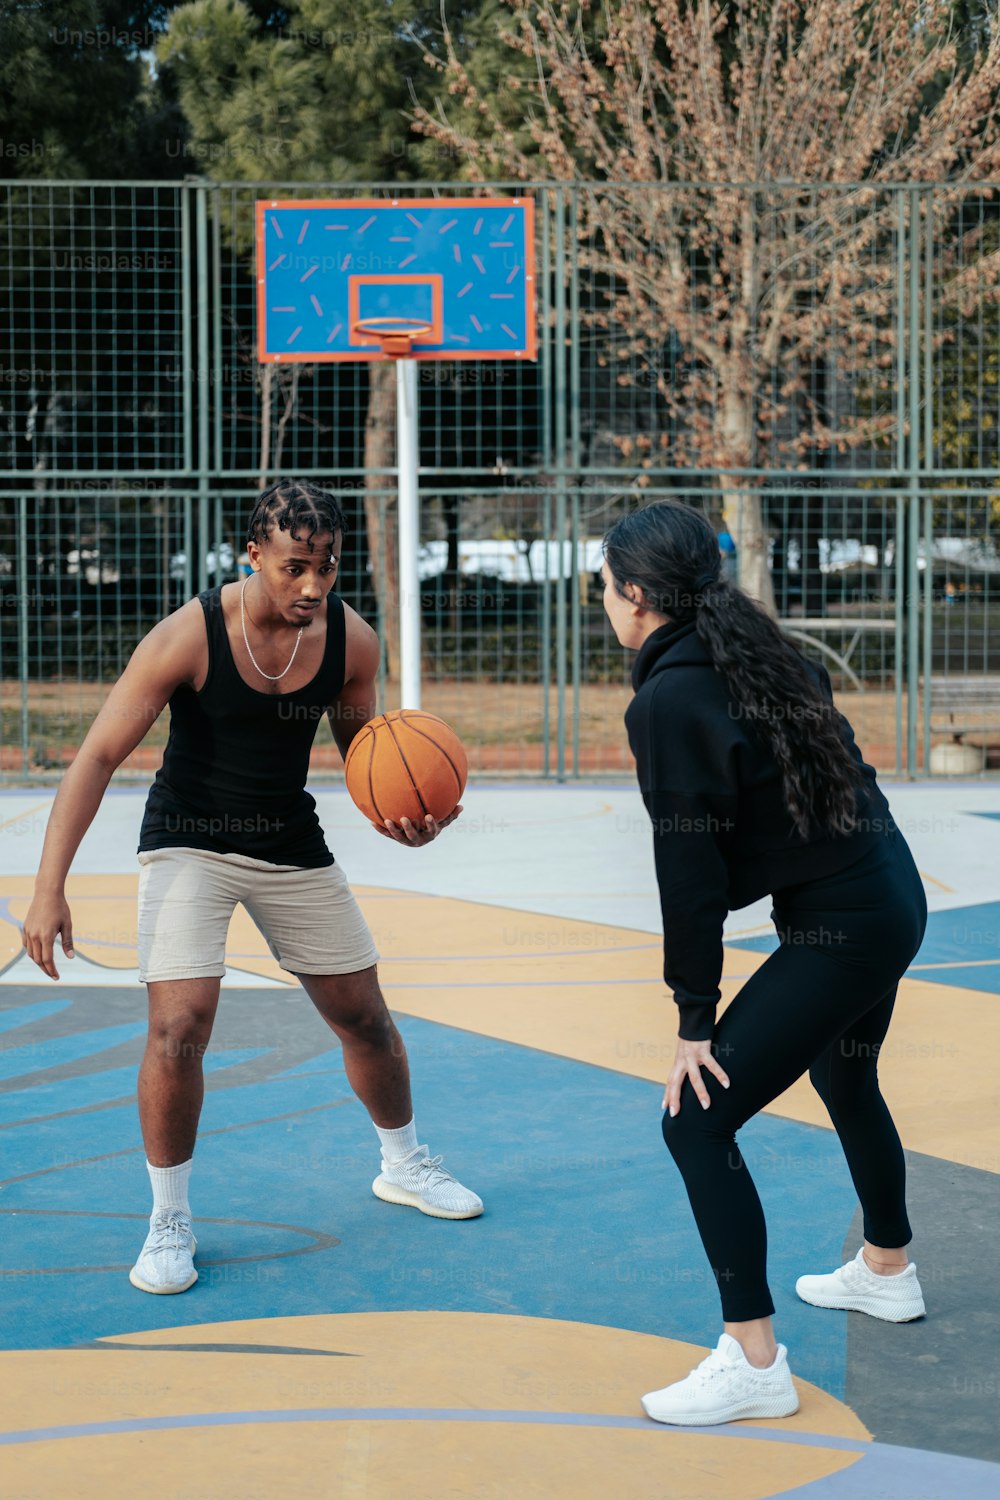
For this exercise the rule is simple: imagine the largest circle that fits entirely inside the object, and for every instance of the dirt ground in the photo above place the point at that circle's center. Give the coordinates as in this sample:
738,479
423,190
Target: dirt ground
502,726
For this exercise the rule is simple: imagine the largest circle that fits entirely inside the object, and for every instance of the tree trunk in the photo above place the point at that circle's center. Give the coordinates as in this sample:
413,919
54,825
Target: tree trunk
380,509
742,508
291,395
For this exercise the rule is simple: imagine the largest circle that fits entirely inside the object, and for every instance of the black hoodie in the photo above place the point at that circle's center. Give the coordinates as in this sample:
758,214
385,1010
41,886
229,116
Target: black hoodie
722,835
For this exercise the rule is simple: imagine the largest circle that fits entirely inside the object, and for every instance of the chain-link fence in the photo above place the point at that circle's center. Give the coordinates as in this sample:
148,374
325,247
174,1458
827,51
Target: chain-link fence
819,369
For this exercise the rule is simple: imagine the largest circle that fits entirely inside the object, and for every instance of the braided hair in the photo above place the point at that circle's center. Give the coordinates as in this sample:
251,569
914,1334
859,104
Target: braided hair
672,553
292,505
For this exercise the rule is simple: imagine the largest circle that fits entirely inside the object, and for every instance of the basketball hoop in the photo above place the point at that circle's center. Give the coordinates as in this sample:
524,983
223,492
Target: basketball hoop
455,313
396,335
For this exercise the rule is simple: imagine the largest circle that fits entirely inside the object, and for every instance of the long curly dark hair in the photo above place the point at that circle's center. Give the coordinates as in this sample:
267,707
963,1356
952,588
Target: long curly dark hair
670,551
295,505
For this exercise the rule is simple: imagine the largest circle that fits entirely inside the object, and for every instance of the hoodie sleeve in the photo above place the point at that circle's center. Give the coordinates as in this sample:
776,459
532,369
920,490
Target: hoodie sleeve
691,804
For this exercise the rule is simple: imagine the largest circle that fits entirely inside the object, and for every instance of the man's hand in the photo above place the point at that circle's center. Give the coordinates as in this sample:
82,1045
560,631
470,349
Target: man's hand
689,1060
47,917
407,832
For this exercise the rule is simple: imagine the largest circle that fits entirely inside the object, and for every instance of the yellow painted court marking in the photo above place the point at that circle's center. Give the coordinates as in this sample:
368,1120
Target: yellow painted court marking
421,1362
592,992
960,963
934,881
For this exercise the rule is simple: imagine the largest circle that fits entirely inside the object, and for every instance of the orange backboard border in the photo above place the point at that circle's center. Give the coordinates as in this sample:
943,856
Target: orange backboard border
364,355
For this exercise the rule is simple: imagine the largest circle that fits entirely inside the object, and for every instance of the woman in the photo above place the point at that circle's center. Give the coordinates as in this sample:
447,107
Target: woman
754,786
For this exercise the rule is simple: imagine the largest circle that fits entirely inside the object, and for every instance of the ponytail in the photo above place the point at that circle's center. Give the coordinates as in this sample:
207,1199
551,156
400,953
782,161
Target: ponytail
671,552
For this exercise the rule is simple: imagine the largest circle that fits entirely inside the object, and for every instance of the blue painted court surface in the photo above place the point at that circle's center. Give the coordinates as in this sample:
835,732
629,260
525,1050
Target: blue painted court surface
587,1219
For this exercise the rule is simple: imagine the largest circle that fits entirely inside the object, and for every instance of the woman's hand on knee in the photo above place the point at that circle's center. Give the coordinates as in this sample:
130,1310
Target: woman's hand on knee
689,1060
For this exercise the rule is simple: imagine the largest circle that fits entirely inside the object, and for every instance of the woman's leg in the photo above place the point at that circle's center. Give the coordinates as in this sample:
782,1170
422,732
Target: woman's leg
792,1010
845,1076
845,942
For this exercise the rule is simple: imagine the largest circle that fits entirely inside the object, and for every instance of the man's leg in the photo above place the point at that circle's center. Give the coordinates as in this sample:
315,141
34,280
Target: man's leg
171,1081
378,1072
374,1055
171,1090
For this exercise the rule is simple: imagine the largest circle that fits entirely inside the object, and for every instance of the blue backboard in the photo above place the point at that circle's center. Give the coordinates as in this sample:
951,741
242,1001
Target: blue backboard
464,266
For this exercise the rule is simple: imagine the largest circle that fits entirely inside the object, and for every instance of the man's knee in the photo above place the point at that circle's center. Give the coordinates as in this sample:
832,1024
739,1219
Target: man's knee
353,1005
372,1028
183,1035
355,1008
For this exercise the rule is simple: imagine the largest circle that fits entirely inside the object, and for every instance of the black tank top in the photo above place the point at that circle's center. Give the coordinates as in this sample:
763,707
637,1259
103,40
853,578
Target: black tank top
234,771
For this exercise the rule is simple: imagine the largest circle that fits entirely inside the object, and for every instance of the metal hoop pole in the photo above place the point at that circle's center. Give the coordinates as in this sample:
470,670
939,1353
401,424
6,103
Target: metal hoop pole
407,461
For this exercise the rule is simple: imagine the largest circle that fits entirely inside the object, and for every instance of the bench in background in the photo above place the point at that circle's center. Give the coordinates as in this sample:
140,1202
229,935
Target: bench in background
965,705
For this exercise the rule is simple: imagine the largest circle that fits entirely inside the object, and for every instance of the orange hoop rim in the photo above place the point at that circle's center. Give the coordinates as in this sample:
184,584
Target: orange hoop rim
397,340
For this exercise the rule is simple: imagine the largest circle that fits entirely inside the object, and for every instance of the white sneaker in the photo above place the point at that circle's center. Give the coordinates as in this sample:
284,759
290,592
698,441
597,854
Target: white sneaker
724,1388
420,1181
165,1261
896,1299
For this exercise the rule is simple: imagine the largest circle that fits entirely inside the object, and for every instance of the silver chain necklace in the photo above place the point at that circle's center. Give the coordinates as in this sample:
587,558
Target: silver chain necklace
243,622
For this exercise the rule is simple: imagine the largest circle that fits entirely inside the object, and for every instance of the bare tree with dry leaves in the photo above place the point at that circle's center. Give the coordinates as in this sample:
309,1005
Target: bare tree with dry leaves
733,159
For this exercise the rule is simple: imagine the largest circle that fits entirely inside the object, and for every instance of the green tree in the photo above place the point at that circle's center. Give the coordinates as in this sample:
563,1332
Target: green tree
312,93
746,116
77,98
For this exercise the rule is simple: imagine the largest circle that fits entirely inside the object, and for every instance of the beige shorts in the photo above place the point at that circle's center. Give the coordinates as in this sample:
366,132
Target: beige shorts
309,917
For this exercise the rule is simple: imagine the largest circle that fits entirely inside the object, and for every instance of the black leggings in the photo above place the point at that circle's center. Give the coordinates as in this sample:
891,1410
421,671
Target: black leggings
822,1001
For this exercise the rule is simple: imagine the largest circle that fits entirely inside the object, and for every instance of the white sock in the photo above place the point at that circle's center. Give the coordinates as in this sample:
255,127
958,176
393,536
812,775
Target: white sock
170,1186
397,1143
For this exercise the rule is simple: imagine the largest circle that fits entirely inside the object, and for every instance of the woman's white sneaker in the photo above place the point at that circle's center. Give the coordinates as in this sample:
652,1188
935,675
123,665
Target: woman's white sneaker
725,1387
856,1288
166,1262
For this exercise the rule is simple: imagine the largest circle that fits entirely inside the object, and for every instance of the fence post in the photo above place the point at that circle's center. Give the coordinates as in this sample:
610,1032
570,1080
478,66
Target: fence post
202,380
901,571
576,637
187,361
913,489
545,410
929,462
188,525
546,642
559,343
214,393
23,660
899,557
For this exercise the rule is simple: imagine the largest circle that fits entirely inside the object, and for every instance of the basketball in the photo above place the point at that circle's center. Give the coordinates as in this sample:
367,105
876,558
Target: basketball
406,764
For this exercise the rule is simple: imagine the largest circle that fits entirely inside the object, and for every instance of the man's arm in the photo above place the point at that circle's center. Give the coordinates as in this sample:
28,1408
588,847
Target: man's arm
161,662
357,700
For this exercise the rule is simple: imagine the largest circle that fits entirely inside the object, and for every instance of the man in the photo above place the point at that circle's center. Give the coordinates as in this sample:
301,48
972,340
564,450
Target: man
248,669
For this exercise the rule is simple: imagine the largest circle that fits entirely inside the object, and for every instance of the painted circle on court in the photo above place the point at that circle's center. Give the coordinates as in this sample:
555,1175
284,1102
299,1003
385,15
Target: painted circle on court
421,1404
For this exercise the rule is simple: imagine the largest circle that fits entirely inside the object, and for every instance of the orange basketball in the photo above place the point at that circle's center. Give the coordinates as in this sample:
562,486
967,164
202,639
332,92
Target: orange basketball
406,764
